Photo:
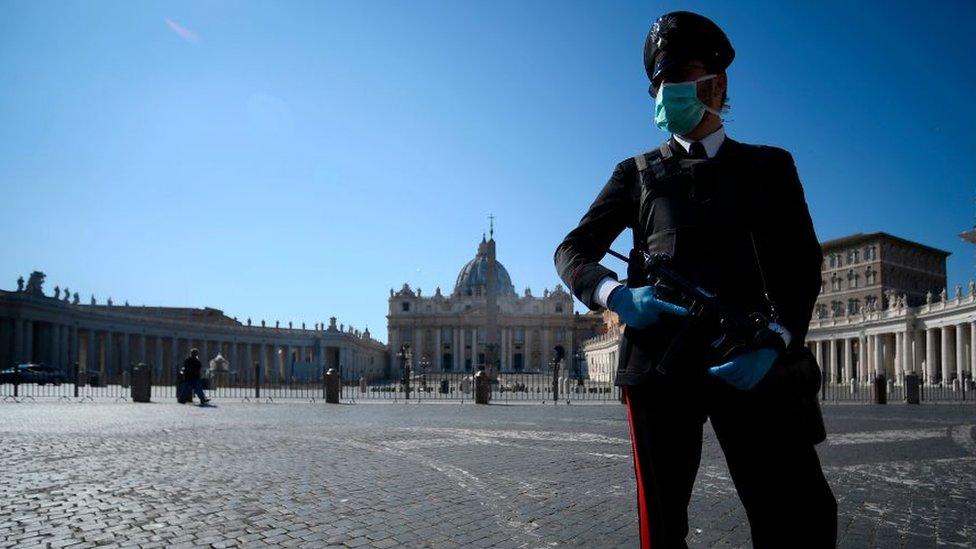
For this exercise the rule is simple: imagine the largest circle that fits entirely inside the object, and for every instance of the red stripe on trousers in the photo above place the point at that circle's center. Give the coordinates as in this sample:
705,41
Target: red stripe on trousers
644,517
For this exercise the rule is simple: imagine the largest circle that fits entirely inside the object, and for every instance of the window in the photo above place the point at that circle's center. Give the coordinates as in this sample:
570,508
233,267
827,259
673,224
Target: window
560,335
851,279
406,335
405,306
870,276
853,306
871,253
835,282
852,257
519,335
559,307
833,260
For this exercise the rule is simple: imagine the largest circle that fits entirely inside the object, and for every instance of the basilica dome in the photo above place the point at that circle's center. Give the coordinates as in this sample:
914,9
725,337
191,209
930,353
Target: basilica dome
473,278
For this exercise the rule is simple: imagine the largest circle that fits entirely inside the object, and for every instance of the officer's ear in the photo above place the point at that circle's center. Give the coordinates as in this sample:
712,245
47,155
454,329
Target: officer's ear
719,93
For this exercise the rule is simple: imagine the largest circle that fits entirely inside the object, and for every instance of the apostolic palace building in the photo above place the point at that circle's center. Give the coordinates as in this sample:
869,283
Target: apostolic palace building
883,309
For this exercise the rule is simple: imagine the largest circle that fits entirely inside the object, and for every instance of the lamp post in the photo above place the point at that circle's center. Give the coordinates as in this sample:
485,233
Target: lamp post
579,368
424,364
404,356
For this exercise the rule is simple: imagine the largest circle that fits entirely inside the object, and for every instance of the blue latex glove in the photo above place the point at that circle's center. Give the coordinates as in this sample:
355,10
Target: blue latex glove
639,307
746,370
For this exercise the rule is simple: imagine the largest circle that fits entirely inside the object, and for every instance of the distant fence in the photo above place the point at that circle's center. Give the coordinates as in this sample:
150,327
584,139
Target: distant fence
435,386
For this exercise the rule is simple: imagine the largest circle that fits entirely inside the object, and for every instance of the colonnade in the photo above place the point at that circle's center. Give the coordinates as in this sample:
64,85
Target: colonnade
938,353
464,358
108,351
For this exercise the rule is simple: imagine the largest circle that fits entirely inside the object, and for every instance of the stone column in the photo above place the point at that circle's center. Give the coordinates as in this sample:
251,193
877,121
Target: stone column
945,355
91,356
862,357
908,359
546,348
53,344
972,349
175,350
143,355
527,349
158,349
502,348
437,361
900,358
931,368
831,369
960,341
19,351
818,352
28,353
878,354
418,345
125,352
474,348
248,371
846,374
107,365
458,348
65,357
74,355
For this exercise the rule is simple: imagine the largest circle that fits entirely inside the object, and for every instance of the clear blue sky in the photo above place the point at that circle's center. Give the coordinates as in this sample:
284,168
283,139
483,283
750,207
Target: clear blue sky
296,160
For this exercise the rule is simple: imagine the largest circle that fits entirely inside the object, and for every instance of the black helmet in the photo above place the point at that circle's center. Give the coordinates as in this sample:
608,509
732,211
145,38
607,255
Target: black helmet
682,36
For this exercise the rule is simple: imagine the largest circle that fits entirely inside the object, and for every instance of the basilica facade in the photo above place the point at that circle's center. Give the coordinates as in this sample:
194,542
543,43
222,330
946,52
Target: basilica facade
483,323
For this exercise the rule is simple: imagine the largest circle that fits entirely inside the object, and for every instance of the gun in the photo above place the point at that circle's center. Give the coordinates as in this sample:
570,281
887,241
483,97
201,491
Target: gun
727,331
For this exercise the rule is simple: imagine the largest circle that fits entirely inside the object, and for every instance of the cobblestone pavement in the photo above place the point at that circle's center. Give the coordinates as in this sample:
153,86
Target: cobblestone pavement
434,475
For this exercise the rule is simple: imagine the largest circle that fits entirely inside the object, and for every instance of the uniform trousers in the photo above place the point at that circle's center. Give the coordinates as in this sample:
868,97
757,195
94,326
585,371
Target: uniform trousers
776,473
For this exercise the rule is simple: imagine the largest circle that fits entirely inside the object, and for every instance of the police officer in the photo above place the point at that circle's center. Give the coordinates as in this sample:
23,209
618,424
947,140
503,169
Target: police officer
734,220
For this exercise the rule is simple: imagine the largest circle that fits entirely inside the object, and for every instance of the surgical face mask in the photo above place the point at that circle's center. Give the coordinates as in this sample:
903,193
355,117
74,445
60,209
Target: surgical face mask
677,108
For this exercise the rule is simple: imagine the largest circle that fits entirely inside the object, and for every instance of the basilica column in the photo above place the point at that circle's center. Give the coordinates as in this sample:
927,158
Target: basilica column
546,351
817,351
437,361
846,375
248,371
474,348
931,368
458,348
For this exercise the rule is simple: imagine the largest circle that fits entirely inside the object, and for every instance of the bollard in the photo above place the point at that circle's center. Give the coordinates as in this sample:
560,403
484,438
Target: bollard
332,386
911,389
77,379
140,386
481,388
362,384
880,389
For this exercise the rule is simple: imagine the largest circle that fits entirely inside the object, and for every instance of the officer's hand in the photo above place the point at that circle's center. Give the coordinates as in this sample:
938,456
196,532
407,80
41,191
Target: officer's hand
639,307
746,370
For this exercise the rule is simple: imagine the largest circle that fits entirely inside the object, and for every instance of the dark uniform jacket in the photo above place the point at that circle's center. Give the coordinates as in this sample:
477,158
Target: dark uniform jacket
191,368
703,217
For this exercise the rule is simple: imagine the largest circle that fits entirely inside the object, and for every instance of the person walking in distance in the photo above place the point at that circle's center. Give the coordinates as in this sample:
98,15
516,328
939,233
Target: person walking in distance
192,368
